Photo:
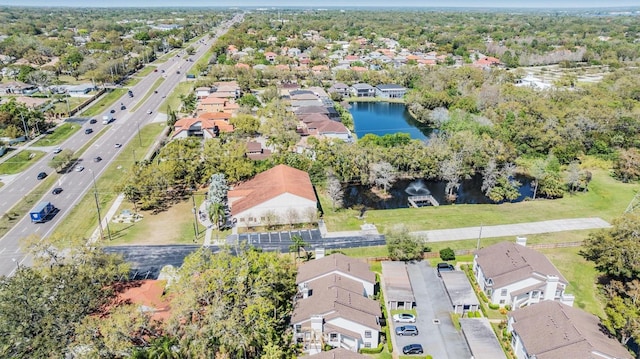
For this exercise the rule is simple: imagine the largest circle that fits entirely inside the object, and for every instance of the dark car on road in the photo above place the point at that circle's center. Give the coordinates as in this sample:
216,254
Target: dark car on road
42,175
97,159
57,190
412,349
407,330
92,121
123,107
88,131
444,267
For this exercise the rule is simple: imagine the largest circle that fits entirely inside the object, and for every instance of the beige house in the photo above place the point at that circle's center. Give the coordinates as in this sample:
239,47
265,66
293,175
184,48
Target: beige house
552,330
333,308
512,274
281,195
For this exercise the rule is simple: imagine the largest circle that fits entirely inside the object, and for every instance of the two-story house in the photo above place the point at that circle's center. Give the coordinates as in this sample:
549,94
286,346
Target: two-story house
512,274
552,330
363,90
332,306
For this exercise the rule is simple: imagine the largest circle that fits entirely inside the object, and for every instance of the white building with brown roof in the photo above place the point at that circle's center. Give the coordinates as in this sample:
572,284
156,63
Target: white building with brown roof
340,264
281,195
552,330
512,274
333,308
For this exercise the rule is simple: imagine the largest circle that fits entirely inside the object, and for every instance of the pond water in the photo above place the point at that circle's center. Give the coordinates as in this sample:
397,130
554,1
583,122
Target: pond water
357,196
381,118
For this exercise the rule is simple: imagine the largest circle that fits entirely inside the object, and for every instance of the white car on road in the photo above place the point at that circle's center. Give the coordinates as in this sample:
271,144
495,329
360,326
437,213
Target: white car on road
79,168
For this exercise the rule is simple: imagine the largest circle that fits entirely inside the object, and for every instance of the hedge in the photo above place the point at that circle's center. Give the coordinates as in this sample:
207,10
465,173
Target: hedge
494,306
375,350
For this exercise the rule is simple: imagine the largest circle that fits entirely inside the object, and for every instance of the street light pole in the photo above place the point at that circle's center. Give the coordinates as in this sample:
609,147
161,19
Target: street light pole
479,237
95,196
139,138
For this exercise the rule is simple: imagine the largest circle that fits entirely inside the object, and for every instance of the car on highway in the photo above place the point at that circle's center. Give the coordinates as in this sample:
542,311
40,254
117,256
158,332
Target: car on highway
57,150
57,190
123,107
118,145
444,267
149,112
79,168
407,330
88,131
42,175
97,159
92,121
412,349
112,111
404,318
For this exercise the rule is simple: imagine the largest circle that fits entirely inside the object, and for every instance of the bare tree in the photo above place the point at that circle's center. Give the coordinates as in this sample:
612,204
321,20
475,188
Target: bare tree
293,216
573,176
382,175
490,175
450,171
335,192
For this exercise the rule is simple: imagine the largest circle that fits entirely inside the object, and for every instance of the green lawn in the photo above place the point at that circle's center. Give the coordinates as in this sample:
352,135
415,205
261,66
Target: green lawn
173,100
83,219
59,135
606,198
582,277
104,103
20,162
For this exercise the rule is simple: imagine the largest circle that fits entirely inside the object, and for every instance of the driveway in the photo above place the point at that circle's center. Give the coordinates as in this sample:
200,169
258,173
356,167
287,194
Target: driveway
437,333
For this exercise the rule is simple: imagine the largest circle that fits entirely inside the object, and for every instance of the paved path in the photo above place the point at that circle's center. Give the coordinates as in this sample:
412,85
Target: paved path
506,230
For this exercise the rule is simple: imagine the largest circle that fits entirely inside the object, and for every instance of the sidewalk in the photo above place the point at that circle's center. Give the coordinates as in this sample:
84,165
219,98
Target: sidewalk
105,220
507,230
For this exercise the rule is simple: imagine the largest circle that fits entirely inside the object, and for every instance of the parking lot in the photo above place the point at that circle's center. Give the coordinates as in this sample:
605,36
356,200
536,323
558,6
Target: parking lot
437,334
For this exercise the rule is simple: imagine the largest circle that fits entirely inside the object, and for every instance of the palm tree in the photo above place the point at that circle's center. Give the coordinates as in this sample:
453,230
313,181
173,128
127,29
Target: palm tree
298,243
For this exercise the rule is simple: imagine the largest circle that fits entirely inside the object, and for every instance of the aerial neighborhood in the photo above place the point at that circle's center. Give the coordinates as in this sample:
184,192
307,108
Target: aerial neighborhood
327,183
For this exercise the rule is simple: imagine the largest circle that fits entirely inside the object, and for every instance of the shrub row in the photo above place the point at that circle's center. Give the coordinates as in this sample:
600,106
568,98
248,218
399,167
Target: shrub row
376,350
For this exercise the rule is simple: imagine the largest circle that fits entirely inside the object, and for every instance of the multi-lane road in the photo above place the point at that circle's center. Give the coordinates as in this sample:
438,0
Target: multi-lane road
120,131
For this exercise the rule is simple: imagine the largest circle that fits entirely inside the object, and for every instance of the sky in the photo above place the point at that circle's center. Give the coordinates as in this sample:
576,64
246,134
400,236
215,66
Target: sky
327,3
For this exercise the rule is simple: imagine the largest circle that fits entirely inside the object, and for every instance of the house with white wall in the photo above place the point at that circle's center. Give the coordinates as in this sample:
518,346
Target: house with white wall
281,195
512,274
332,306
552,330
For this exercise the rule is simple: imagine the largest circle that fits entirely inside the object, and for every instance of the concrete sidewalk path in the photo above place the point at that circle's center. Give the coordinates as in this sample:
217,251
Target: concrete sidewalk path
506,230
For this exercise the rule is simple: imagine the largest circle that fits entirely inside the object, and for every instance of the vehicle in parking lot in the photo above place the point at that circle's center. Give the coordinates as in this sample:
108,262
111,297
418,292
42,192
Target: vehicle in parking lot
79,168
407,330
57,150
57,190
412,349
97,159
92,121
42,175
404,318
444,267
88,131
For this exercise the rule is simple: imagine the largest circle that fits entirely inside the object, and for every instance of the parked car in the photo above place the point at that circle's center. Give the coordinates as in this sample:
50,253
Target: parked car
407,330
57,150
79,168
42,175
57,190
404,318
445,267
412,349
97,159
88,131
92,121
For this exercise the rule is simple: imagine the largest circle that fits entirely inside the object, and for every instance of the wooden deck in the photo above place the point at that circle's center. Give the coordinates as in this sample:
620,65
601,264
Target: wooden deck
415,201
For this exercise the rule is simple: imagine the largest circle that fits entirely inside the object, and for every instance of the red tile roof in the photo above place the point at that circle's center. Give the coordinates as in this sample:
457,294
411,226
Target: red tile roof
150,295
270,184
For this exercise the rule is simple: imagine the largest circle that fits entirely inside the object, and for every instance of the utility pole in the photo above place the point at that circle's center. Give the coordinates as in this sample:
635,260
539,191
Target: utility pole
24,124
95,195
479,237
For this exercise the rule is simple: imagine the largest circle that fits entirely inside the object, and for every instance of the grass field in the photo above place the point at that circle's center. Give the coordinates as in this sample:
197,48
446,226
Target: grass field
581,275
59,135
104,103
83,219
20,162
173,100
